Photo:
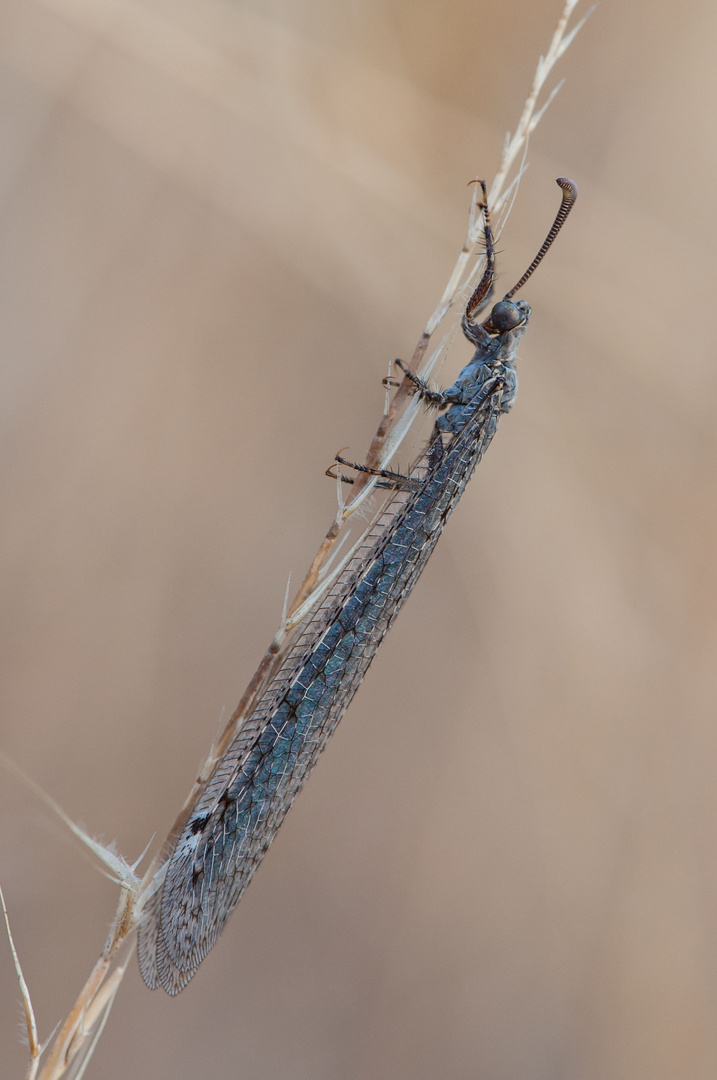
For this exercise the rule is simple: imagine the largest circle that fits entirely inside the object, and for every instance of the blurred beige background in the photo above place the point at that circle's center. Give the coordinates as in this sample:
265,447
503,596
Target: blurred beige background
218,222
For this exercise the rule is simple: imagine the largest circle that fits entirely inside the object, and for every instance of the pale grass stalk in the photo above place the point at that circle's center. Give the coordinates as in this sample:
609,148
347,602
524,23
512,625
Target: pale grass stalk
30,1022
67,1052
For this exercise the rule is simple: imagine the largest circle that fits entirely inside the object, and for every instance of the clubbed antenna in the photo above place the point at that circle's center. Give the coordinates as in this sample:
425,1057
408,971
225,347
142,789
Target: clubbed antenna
570,194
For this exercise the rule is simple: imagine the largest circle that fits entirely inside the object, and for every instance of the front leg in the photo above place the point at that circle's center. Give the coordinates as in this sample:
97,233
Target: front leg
476,334
437,398
453,395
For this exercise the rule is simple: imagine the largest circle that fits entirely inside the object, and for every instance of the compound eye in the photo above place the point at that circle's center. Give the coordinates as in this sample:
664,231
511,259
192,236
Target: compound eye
505,316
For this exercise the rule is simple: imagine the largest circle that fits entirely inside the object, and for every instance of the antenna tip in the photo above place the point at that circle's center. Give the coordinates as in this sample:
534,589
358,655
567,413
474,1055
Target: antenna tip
570,188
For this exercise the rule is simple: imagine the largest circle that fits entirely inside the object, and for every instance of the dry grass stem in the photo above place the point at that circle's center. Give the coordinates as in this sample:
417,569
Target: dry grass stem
32,1039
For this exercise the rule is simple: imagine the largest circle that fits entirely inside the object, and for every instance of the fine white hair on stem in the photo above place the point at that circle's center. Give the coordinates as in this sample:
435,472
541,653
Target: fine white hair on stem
72,1045
121,871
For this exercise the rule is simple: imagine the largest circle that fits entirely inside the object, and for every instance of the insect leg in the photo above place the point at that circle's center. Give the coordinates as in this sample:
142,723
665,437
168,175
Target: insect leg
484,289
396,480
431,397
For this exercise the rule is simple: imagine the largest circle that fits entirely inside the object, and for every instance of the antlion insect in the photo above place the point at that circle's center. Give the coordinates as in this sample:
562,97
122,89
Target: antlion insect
242,803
